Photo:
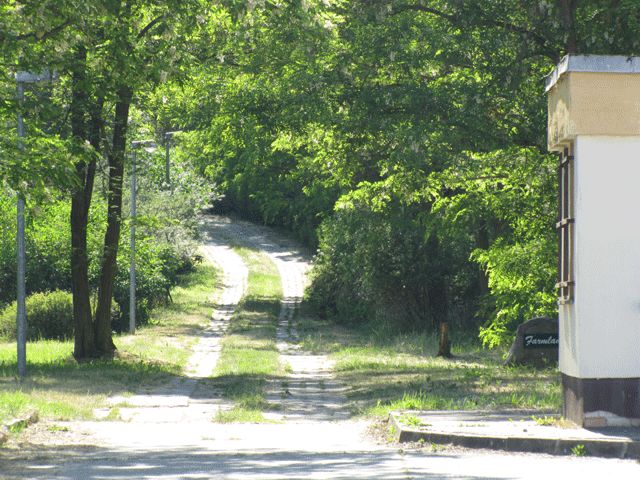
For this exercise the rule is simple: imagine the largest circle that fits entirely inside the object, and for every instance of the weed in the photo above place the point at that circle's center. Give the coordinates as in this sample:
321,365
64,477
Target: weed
392,433
57,428
241,414
579,450
410,420
114,414
545,421
17,427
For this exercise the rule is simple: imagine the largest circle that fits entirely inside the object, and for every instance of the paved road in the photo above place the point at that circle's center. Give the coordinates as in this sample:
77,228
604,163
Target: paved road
291,452
169,435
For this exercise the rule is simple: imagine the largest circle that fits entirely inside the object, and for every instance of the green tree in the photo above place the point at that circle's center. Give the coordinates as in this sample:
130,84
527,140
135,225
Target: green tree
411,131
104,52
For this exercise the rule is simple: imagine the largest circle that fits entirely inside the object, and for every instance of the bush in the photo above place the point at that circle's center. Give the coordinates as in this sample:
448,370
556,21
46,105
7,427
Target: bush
158,267
389,266
49,315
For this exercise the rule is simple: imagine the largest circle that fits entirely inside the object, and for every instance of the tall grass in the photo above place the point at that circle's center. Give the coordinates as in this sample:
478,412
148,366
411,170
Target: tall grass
394,371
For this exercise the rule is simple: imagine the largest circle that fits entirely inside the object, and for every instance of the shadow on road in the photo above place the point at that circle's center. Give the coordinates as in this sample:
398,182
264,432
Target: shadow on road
67,462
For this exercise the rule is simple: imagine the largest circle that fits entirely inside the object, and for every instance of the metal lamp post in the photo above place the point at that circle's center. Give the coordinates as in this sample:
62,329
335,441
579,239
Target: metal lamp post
167,143
21,317
132,270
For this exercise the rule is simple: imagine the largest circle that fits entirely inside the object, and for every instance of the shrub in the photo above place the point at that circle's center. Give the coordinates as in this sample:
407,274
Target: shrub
158,267
389,266
48,244
49,315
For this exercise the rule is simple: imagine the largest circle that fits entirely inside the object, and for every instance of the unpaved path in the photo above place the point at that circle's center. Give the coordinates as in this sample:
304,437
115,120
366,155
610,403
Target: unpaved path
309,393
178,415
191,398
169,433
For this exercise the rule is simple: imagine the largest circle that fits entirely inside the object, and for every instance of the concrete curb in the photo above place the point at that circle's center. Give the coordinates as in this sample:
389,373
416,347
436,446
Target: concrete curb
17,424
614,448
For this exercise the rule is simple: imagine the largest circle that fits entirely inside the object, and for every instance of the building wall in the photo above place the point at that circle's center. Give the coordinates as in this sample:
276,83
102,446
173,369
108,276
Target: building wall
593,103
600,331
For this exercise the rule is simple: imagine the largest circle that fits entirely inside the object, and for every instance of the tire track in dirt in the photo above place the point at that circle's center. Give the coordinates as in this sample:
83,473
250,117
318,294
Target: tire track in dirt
309,393
191,398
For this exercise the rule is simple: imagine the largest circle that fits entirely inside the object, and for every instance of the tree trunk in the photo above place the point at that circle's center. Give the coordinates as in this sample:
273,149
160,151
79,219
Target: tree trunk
438,297
83,325
83,333
568,16
444,342
103,339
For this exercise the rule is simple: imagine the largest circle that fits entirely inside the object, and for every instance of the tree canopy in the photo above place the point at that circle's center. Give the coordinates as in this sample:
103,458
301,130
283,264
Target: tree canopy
404,139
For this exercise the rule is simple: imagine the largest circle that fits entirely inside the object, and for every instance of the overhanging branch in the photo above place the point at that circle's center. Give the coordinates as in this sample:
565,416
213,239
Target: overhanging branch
150,25
35,35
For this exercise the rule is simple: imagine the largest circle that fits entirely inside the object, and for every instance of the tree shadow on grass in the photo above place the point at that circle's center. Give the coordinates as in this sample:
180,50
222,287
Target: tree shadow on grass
95,377
256,318
398,369
430,387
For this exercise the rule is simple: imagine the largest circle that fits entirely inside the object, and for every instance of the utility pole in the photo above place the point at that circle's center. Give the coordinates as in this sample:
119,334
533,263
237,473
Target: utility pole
132,240
21,319
168,136
21,284
132,226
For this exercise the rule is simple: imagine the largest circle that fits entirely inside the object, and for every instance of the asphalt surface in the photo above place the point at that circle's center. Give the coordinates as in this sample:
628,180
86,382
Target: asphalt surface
294,452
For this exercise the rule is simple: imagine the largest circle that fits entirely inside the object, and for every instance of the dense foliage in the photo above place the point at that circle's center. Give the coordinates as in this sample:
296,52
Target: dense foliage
404,139
103,58
166,242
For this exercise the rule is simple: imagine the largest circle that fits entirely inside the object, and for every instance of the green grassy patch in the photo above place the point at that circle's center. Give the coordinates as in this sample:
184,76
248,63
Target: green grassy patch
240,414
249,356
59,388
410,420
389,372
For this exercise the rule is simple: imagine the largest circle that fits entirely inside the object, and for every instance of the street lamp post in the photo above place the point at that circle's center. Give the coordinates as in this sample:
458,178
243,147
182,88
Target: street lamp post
21,289
167,144
21,316
132,270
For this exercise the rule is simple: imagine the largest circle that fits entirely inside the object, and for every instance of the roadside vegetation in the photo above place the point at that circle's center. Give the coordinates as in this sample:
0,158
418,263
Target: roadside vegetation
403,141
59,388
387,371
249,355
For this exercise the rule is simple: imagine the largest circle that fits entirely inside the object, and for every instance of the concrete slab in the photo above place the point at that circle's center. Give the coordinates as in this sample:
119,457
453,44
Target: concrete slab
515,431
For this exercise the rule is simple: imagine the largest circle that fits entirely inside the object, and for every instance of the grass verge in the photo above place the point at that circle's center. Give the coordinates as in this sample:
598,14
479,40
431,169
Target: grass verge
61,389
249,355
388,372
